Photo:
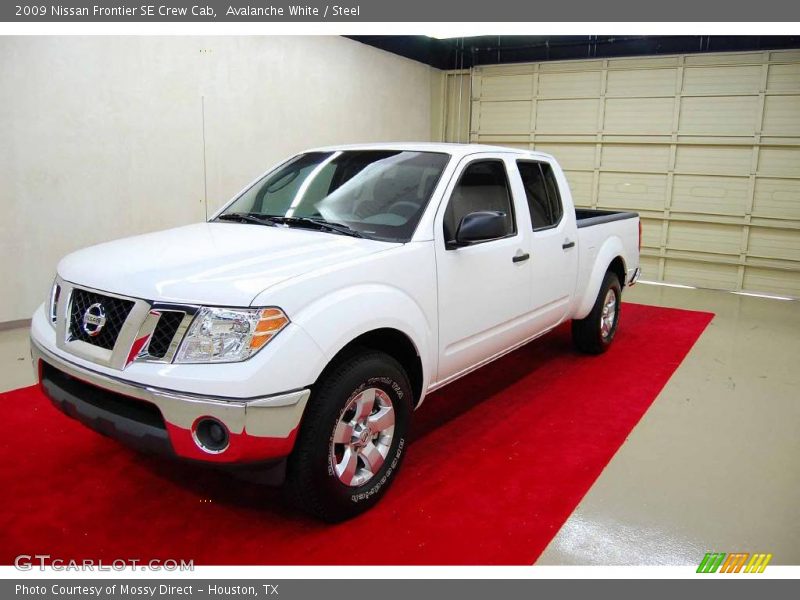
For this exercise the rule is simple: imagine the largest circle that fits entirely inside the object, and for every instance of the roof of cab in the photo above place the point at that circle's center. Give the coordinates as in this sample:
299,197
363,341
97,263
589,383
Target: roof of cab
456,150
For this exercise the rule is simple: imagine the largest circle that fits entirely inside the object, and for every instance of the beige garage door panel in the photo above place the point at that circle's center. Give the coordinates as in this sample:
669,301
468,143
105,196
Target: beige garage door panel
641,82
571,156
777,198
567,116
708,80
709,194
504,117
722,59
581,183
706,147
572,65
639,115
783,162
566,85
778,281
714,160
635,157
632,191
784,78
704,237
780,115
721,277
651,233
648,263
774,243
718,115
507,87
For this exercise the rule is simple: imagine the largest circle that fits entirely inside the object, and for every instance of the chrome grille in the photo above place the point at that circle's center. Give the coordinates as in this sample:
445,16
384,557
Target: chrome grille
116,311
55,294
164,333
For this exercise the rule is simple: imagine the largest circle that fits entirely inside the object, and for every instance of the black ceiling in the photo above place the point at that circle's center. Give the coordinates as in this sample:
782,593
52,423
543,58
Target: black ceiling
489,50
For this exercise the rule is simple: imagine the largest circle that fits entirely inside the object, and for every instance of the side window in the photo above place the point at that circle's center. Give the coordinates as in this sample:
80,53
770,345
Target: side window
556,209
483,185
541,190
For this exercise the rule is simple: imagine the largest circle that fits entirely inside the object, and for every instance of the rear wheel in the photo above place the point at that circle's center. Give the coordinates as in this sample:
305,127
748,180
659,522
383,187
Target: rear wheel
594,334
352,439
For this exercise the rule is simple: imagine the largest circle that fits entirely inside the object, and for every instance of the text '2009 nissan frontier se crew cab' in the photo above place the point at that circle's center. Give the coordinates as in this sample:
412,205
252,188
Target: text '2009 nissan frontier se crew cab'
301,326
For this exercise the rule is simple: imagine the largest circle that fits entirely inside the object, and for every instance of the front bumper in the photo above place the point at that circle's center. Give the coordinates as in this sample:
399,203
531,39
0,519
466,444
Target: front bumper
260,429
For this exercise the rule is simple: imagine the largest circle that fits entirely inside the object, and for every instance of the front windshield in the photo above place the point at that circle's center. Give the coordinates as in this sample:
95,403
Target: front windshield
381,194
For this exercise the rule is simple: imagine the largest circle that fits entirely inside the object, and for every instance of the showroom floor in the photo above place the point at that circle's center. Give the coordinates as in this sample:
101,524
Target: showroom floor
712,466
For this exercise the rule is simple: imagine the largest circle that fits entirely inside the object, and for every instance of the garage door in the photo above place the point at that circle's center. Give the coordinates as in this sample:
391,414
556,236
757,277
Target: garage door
706,147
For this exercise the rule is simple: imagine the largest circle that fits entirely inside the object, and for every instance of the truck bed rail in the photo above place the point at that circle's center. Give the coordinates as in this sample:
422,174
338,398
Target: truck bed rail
587,217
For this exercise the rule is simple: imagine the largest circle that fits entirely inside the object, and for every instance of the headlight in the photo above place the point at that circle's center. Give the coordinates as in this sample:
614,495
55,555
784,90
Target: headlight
229,334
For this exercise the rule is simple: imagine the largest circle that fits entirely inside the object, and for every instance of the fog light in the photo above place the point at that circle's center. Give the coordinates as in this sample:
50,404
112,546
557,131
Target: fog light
211,435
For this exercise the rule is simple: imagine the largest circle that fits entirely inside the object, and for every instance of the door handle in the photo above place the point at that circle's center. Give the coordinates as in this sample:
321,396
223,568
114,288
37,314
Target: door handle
567,244
520,257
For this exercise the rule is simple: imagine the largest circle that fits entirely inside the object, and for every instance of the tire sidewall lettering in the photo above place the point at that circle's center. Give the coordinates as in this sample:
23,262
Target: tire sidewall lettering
366,495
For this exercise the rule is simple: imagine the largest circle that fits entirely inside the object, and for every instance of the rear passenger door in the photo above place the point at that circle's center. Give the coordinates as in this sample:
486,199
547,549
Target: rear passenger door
554,255
483,288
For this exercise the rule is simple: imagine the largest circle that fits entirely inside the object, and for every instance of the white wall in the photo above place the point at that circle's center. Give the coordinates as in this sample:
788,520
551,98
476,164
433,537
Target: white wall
102,137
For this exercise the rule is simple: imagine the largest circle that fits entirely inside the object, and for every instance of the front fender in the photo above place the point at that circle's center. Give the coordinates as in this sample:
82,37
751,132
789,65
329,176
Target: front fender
611,249
336,319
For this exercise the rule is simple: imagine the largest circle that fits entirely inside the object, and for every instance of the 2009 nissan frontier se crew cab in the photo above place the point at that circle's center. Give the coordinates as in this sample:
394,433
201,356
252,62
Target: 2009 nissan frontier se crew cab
300,327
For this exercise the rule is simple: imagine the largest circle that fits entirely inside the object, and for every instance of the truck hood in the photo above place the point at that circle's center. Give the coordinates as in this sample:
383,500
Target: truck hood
225,264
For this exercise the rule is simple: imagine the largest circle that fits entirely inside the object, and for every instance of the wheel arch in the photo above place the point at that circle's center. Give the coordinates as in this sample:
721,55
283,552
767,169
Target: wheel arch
609,258
617,267
370,315
391,341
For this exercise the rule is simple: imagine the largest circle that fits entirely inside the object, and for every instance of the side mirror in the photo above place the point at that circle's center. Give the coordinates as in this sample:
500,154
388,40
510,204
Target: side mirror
478,227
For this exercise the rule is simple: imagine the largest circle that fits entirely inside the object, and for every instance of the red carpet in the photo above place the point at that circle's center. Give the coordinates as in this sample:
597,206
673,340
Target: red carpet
500,460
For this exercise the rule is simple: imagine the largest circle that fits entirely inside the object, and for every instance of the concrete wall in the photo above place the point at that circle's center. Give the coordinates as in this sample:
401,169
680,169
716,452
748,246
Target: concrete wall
104,137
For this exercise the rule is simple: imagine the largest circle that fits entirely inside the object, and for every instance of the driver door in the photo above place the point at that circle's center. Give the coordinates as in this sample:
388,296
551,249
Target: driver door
483,288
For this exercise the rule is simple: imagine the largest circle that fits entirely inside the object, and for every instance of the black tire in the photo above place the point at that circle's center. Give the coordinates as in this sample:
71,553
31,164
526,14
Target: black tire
312,483
587,334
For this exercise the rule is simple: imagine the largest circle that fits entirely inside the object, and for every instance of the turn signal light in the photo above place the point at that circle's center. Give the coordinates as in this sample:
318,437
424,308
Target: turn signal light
270,322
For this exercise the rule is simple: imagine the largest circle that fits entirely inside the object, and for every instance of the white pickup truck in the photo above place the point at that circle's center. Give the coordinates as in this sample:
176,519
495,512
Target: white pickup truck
299,328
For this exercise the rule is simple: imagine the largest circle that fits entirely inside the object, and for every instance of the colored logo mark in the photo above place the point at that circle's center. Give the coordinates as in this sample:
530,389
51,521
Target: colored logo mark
737,562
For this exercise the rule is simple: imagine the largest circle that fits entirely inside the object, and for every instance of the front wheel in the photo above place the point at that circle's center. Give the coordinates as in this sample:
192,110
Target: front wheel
594,334
352,439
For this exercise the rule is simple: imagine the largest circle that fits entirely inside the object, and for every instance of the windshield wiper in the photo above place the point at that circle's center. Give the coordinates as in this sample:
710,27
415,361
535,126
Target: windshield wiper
315,224
275,220
246,218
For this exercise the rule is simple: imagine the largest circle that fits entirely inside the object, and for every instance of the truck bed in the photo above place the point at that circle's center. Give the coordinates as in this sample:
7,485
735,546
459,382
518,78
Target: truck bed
597,229
587,217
